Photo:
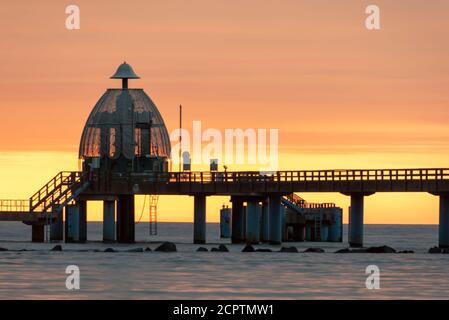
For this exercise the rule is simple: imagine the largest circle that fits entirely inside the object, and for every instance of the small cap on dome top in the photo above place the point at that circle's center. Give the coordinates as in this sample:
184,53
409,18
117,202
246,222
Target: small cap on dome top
125,71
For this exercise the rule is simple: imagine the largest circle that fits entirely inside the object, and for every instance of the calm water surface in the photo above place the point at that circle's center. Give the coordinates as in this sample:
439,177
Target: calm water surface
209,275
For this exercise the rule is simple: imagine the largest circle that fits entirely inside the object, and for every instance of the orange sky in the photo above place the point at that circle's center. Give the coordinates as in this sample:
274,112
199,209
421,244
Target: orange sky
340,95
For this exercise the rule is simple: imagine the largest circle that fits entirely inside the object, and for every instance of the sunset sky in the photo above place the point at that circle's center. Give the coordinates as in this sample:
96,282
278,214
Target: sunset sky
341,96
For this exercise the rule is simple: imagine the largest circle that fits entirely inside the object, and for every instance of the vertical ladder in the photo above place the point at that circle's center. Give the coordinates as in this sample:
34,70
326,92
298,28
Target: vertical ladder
153,214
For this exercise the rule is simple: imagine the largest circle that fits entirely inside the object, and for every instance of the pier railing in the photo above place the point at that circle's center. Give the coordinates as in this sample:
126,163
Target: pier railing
14,205
307,175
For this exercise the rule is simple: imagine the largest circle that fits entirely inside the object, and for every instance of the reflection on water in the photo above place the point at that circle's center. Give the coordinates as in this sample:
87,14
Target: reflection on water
209,275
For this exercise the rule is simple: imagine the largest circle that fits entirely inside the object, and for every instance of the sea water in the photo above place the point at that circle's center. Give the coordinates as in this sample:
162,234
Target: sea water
187,274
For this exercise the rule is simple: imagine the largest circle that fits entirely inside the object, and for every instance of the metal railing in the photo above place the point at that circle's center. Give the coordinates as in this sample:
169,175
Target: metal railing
302,203
14,205
296,176
56,191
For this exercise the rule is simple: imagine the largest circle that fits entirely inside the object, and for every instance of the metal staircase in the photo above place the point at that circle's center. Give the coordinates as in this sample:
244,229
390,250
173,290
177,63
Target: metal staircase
48,201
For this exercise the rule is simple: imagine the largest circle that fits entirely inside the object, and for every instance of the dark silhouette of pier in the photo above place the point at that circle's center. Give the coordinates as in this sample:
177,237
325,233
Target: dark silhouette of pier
71,190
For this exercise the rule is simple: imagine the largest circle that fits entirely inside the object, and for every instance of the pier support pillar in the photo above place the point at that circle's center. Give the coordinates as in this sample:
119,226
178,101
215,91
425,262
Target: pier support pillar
356,220
443,236
37,233
237,220
199,219
265,229
109,221
72,233
82,221
56,226
252,222
125,219
275,219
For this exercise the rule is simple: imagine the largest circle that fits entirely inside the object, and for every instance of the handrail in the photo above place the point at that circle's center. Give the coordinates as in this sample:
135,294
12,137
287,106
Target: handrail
298,176
52,192
14,205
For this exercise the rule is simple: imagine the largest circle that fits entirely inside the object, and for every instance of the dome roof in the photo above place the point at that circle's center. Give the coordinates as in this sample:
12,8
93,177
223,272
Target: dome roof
125,71
124,122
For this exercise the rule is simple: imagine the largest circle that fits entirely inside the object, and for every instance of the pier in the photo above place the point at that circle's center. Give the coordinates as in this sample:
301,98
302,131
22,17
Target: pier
125,151
68,192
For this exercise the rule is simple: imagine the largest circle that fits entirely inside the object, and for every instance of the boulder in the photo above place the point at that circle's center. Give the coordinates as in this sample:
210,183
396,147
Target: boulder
57,248
166,247
435,250
135,250
248,248
381,249
147,249
223,248
109,250
345,250
202,249
314,250
289,249
406,251
264,250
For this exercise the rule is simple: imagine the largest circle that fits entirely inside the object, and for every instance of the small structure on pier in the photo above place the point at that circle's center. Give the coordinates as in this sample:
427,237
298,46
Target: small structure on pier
311,221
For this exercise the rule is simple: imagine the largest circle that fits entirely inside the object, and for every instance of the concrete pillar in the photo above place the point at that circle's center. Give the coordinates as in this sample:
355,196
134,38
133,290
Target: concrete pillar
284,234
308,232
252,222
109,221
125,219
72,223
443,238
265,226
37,233
238,231
56,226
82,222
225,222
356,220
275,219
199,219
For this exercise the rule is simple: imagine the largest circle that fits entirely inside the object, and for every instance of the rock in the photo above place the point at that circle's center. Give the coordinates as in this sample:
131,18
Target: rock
109,250
57,248
314,250
148,249
3,249
382,249
264,250
345,250
166,247
435,250
222,248
135,250
289,249
248,248
202,249
406,251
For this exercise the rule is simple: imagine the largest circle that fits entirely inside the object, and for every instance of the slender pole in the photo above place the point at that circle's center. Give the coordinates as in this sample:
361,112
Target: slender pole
180,137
